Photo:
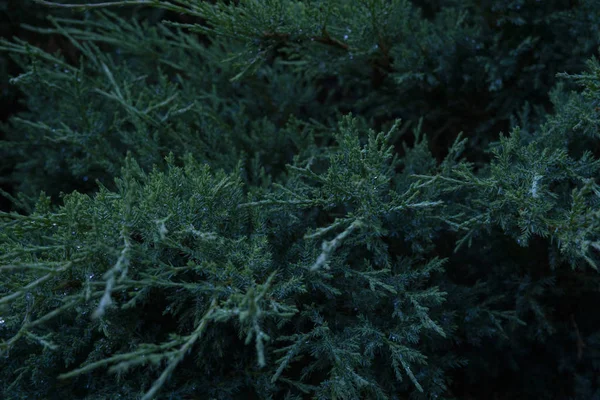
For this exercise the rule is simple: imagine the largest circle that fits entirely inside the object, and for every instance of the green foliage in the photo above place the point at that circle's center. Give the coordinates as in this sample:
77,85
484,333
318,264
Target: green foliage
231,207
467,68
186,237
82,119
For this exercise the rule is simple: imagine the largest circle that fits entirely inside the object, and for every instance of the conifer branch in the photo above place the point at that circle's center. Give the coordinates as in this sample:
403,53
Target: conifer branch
180,354
97,5
34,284
152,3
328,247
110,276
254,249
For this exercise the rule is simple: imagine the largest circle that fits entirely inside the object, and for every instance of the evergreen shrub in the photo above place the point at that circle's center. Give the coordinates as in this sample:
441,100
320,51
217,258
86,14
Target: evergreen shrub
303,200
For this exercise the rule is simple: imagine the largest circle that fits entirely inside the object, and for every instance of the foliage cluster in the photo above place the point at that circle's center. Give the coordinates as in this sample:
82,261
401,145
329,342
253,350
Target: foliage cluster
272,200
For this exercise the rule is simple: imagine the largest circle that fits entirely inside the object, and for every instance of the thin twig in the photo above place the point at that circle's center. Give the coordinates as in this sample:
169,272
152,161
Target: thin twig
95,5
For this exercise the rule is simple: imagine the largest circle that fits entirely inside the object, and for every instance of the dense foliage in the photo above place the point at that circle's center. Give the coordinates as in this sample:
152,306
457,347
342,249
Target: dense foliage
377,199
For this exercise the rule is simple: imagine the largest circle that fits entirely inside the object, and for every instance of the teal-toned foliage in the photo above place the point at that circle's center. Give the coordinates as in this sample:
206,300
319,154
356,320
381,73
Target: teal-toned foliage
303,200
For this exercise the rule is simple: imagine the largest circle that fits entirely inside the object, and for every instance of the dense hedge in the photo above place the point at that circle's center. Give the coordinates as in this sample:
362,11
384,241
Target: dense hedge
301,199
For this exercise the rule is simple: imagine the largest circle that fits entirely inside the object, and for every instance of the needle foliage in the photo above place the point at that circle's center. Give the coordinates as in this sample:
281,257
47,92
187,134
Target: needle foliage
302,200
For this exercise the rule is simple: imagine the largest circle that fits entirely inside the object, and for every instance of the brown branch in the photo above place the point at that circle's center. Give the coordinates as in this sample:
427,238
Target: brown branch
276,35
580,343
385,50
328,40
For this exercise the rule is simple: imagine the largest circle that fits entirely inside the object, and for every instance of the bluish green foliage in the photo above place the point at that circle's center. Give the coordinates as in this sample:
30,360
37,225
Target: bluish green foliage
186,238
129,85
271,200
